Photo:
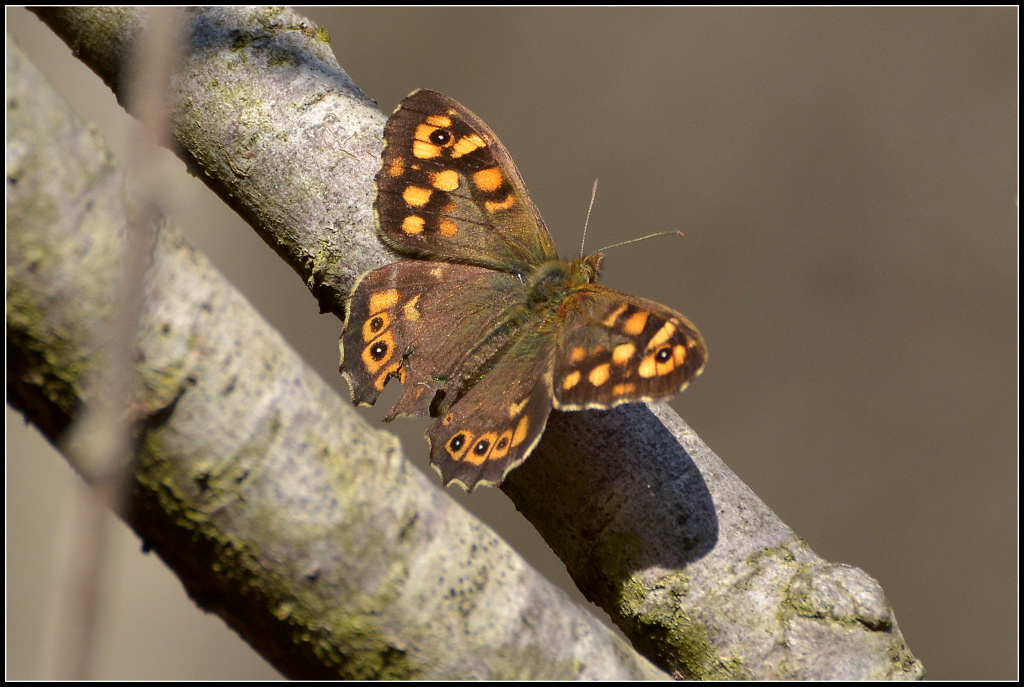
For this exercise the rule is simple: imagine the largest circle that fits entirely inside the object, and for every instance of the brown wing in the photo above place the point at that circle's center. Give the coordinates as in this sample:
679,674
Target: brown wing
448,189
614,348
430,324
495,425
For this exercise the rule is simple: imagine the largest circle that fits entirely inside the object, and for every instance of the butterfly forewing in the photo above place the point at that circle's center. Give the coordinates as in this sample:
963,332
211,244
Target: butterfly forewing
447,189
614,348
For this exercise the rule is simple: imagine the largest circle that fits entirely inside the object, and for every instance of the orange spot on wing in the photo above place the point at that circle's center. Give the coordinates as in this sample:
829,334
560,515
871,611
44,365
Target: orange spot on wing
391,369
446,180
599,375
621,354
489,180
439,121
416,196
610,320
502,445
517,408
504,204
481,448
571,380
652,367
635,324
410,310
462,441
467,144
375,324
521,430
383,300
662,336
378,352
396,168
448,228
413,224
424,150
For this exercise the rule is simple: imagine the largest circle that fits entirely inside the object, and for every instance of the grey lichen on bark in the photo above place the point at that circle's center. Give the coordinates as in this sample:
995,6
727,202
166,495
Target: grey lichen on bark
653,527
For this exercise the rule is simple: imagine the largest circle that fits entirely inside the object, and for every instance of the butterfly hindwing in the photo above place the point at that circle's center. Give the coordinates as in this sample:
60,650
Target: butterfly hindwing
415,320
496,424
448,189
614,348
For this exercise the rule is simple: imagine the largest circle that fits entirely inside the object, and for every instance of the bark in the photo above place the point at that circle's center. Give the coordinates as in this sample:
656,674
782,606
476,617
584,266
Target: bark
653,527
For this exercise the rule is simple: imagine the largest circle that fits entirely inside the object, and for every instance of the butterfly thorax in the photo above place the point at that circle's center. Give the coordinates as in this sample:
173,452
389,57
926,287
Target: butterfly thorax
556,280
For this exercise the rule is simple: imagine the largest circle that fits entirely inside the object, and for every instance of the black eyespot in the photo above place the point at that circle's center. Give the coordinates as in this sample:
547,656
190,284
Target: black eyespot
376,324
502,443
379,351
440,136
457,441
481,447
663,354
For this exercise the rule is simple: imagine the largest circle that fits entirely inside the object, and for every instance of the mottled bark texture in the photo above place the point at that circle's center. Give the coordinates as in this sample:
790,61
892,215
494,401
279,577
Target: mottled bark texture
654,528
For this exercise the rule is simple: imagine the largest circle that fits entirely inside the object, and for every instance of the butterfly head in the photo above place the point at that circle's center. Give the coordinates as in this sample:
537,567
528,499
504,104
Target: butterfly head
590,266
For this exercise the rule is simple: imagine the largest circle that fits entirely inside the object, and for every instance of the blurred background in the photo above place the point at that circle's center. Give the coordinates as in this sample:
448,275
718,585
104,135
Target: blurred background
847,182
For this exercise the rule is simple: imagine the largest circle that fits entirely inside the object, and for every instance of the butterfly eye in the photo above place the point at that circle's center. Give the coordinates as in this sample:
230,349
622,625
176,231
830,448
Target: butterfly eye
440,136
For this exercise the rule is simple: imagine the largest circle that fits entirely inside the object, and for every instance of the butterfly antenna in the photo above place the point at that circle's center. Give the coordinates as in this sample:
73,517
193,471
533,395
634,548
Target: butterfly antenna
642,238
593,195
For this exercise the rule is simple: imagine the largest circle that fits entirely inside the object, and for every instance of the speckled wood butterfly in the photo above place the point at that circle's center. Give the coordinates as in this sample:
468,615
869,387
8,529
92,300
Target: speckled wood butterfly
484,325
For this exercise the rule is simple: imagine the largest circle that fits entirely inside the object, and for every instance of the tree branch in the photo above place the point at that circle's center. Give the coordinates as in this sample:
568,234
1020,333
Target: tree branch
653,527
252,479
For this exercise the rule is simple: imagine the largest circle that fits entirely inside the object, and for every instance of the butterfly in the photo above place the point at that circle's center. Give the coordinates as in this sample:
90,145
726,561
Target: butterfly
484,326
